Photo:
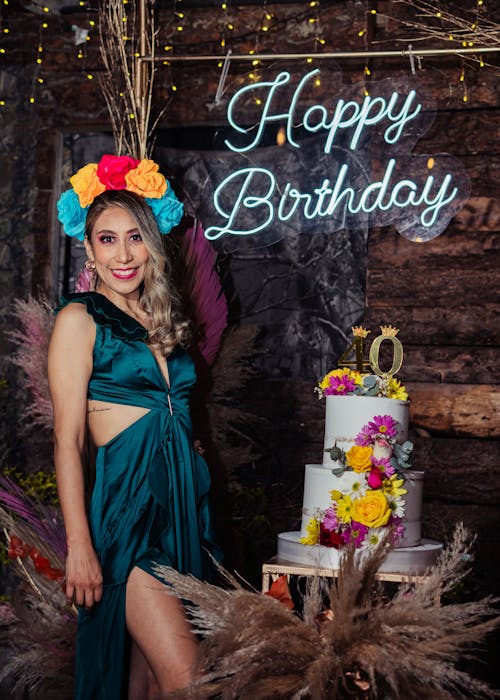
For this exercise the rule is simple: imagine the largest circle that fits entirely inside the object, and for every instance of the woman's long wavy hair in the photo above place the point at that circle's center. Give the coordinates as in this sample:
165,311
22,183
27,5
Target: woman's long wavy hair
159,296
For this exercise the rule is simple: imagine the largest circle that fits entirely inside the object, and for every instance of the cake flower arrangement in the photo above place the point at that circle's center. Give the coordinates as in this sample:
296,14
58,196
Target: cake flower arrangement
375,501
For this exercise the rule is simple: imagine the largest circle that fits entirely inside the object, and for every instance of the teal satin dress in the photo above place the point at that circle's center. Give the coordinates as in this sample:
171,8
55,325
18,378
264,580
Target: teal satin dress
149,503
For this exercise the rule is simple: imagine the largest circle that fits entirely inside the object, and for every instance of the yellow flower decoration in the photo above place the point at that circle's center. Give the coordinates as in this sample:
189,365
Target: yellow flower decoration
146,180
392,486
356,377
371,510
87,185
344,509
396,390
312,529
360,458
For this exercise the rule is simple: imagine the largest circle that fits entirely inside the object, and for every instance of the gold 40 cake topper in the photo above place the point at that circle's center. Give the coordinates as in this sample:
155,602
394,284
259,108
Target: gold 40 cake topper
357,346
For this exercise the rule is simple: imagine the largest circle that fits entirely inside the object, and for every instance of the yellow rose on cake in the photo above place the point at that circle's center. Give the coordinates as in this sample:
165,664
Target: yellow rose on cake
372,510
360,458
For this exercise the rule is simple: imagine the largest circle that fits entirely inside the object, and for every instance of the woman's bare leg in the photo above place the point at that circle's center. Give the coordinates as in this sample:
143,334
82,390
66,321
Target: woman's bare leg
157,624
142,683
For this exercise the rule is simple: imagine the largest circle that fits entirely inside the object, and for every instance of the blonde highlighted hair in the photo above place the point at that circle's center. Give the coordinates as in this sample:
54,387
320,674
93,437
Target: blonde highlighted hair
159,296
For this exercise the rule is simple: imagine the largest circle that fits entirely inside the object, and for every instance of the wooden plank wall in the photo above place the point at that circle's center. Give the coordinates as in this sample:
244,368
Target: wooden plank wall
443,295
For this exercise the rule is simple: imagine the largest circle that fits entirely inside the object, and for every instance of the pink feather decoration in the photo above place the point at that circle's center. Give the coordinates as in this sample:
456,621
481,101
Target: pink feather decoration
36,321
203,286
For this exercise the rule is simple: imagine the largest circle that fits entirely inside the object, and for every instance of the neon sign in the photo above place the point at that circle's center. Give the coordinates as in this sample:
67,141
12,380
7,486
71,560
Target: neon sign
418,194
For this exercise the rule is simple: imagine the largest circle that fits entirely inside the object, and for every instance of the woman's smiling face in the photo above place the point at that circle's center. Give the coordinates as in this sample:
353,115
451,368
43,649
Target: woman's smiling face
119,252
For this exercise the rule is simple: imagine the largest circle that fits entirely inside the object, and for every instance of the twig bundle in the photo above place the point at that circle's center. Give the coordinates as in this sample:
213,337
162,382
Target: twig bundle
127,83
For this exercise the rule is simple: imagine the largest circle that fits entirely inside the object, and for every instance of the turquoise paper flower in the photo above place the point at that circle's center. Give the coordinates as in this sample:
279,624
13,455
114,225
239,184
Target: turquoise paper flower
71,215
167,210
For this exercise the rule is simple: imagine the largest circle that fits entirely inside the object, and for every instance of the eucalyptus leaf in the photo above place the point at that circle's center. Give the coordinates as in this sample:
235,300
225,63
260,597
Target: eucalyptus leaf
336,454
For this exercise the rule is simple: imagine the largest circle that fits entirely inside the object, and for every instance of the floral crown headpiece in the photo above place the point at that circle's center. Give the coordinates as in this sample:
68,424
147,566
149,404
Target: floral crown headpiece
118,173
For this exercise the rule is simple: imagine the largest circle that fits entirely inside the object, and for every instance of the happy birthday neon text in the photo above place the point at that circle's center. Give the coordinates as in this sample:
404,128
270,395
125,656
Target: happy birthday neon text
419,202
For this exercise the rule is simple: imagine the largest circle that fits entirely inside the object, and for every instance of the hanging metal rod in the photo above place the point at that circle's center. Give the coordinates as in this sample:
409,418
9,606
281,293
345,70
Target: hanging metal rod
322,56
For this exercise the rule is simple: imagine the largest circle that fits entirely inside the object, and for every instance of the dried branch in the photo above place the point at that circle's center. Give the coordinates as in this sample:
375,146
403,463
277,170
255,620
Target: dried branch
127,83
436,20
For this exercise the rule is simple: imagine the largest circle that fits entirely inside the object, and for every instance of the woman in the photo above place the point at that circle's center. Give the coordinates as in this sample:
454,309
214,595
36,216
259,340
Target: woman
118,364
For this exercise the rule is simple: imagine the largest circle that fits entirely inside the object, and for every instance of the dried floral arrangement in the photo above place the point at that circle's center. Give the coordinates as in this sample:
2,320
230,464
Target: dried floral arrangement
36,626
349,642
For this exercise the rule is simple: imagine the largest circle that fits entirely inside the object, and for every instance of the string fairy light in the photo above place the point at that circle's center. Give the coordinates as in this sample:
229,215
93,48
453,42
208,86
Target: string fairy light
38,81
265,20
178,24
314,19
224,25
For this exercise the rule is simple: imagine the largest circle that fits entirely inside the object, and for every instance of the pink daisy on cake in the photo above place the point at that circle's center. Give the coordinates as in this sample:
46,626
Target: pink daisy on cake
340,386
384,427
356,534
339,382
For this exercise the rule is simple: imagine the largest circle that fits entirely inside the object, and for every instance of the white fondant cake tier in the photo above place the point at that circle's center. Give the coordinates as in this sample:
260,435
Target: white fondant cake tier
319,481
406,560
346,415
357,493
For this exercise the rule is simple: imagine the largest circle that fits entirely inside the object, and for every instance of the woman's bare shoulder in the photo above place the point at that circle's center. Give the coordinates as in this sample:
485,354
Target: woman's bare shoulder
75,324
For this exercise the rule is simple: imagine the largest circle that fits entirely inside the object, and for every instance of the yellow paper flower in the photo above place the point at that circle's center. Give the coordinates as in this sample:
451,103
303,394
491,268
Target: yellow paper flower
392,486
396,390
312,529
87,185
344,509
359,458
371,510
146,180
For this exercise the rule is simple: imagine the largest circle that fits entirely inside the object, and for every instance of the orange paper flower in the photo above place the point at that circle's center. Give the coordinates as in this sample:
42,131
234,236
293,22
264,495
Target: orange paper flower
146,181
87,185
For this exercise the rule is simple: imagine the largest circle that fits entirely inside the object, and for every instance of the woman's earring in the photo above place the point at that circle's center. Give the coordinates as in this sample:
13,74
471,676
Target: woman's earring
90,265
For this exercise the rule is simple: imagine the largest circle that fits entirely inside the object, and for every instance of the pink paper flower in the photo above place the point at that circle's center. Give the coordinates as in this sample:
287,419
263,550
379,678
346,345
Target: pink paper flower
111,171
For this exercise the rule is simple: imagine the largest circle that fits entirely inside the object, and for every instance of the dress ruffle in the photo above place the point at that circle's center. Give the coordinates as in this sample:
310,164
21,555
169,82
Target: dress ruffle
105,313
